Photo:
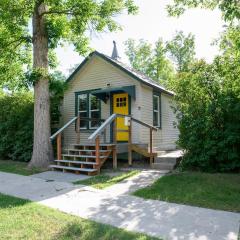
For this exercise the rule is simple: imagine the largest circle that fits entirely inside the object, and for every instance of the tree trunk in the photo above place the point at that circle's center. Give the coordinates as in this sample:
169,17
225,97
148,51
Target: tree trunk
42,149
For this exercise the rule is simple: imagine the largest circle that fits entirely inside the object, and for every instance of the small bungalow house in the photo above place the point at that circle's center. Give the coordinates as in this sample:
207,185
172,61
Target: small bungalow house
110,108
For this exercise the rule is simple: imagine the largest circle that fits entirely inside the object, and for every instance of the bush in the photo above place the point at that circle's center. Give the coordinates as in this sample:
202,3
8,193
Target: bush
16,120
16,126
208,107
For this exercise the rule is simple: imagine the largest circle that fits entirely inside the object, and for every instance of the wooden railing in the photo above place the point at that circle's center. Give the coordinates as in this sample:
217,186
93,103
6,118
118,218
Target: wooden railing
76,120
102,130
112,119
58,135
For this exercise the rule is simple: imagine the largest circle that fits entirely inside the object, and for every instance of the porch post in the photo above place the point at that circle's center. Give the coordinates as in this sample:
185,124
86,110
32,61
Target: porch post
130,143
114,149
151,146
78,129
59,146
97,142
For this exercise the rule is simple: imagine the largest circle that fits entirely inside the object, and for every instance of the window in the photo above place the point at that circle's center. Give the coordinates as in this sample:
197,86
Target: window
88,106
121,102
94,107
156,110
83,110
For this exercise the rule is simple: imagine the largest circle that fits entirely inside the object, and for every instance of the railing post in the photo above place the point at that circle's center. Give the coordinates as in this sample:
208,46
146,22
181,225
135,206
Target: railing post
115,131
151,146
105,135
97,143
114,151
114,156
78,129
59,146
130,143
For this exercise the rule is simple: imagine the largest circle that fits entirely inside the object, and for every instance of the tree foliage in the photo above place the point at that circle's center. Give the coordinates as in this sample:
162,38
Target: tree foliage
150,60
16,126
54,22
230,8
208,107
16,119
181,50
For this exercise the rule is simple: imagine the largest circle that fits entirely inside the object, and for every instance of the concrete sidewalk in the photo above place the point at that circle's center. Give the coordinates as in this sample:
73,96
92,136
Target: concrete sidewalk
156,218
132,184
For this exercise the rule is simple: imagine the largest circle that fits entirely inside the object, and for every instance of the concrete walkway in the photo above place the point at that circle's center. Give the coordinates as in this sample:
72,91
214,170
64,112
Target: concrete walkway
141,180
60,176
156,218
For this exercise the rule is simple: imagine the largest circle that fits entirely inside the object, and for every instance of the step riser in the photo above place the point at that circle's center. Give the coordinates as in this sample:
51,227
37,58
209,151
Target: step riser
166,160
75,162
89,171
163,166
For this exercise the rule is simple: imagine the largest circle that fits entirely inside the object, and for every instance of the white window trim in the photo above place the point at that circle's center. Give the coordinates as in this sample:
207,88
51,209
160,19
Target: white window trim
85,111
90,112
158,110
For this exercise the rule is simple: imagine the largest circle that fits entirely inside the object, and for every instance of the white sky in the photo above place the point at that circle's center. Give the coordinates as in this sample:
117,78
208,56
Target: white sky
150,23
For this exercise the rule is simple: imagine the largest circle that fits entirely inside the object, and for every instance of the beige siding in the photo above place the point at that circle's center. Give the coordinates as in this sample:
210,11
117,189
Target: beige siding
97,73
165,137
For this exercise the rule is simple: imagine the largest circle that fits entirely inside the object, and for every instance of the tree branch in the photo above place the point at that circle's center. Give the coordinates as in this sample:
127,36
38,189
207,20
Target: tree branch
17,41
58,12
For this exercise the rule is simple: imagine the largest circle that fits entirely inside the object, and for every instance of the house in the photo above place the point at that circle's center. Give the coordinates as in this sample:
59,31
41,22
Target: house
100,88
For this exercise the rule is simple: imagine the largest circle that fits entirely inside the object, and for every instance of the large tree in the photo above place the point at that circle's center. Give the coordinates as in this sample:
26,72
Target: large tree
52,22
150,60
182,50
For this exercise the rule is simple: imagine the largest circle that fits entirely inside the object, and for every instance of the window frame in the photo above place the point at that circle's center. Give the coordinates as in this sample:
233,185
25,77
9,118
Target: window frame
159,111
83,111
93,110
77,97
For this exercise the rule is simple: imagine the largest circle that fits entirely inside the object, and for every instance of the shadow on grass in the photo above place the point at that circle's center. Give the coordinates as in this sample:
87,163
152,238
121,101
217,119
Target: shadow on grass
91,230
9,202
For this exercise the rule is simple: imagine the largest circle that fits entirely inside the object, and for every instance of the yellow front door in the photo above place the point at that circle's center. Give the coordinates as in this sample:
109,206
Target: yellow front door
120,105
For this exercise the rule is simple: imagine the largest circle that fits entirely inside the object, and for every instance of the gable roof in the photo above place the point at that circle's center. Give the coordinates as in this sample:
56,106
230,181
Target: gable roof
137,75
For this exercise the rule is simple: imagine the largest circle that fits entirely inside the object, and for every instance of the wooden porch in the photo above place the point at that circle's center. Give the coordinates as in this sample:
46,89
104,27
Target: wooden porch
90,157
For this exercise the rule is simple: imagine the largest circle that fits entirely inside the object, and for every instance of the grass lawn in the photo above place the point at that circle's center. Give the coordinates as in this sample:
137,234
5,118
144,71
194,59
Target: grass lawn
217,191
104,180
16,167
22,219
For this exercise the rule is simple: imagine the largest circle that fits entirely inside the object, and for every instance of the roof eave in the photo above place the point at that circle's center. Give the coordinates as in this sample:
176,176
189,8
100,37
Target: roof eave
118,66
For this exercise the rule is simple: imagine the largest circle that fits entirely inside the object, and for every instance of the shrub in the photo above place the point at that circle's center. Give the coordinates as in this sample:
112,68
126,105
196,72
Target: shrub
16,126
208,107
16,120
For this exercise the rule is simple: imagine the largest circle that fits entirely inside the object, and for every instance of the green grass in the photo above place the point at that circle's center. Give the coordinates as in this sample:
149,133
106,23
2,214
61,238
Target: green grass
22,219
217,191
104,180
17,167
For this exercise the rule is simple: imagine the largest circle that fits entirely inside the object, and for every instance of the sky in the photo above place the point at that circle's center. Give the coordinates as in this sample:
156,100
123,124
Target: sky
152,22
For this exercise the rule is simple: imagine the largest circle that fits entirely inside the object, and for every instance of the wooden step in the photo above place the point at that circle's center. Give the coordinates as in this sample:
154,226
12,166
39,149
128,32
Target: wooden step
89,170
81,156
86,150
77,162
93,144
142,151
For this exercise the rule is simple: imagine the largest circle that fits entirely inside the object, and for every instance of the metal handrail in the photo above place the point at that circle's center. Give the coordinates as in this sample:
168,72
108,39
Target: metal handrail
144,124
111,119
63,128
103,127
